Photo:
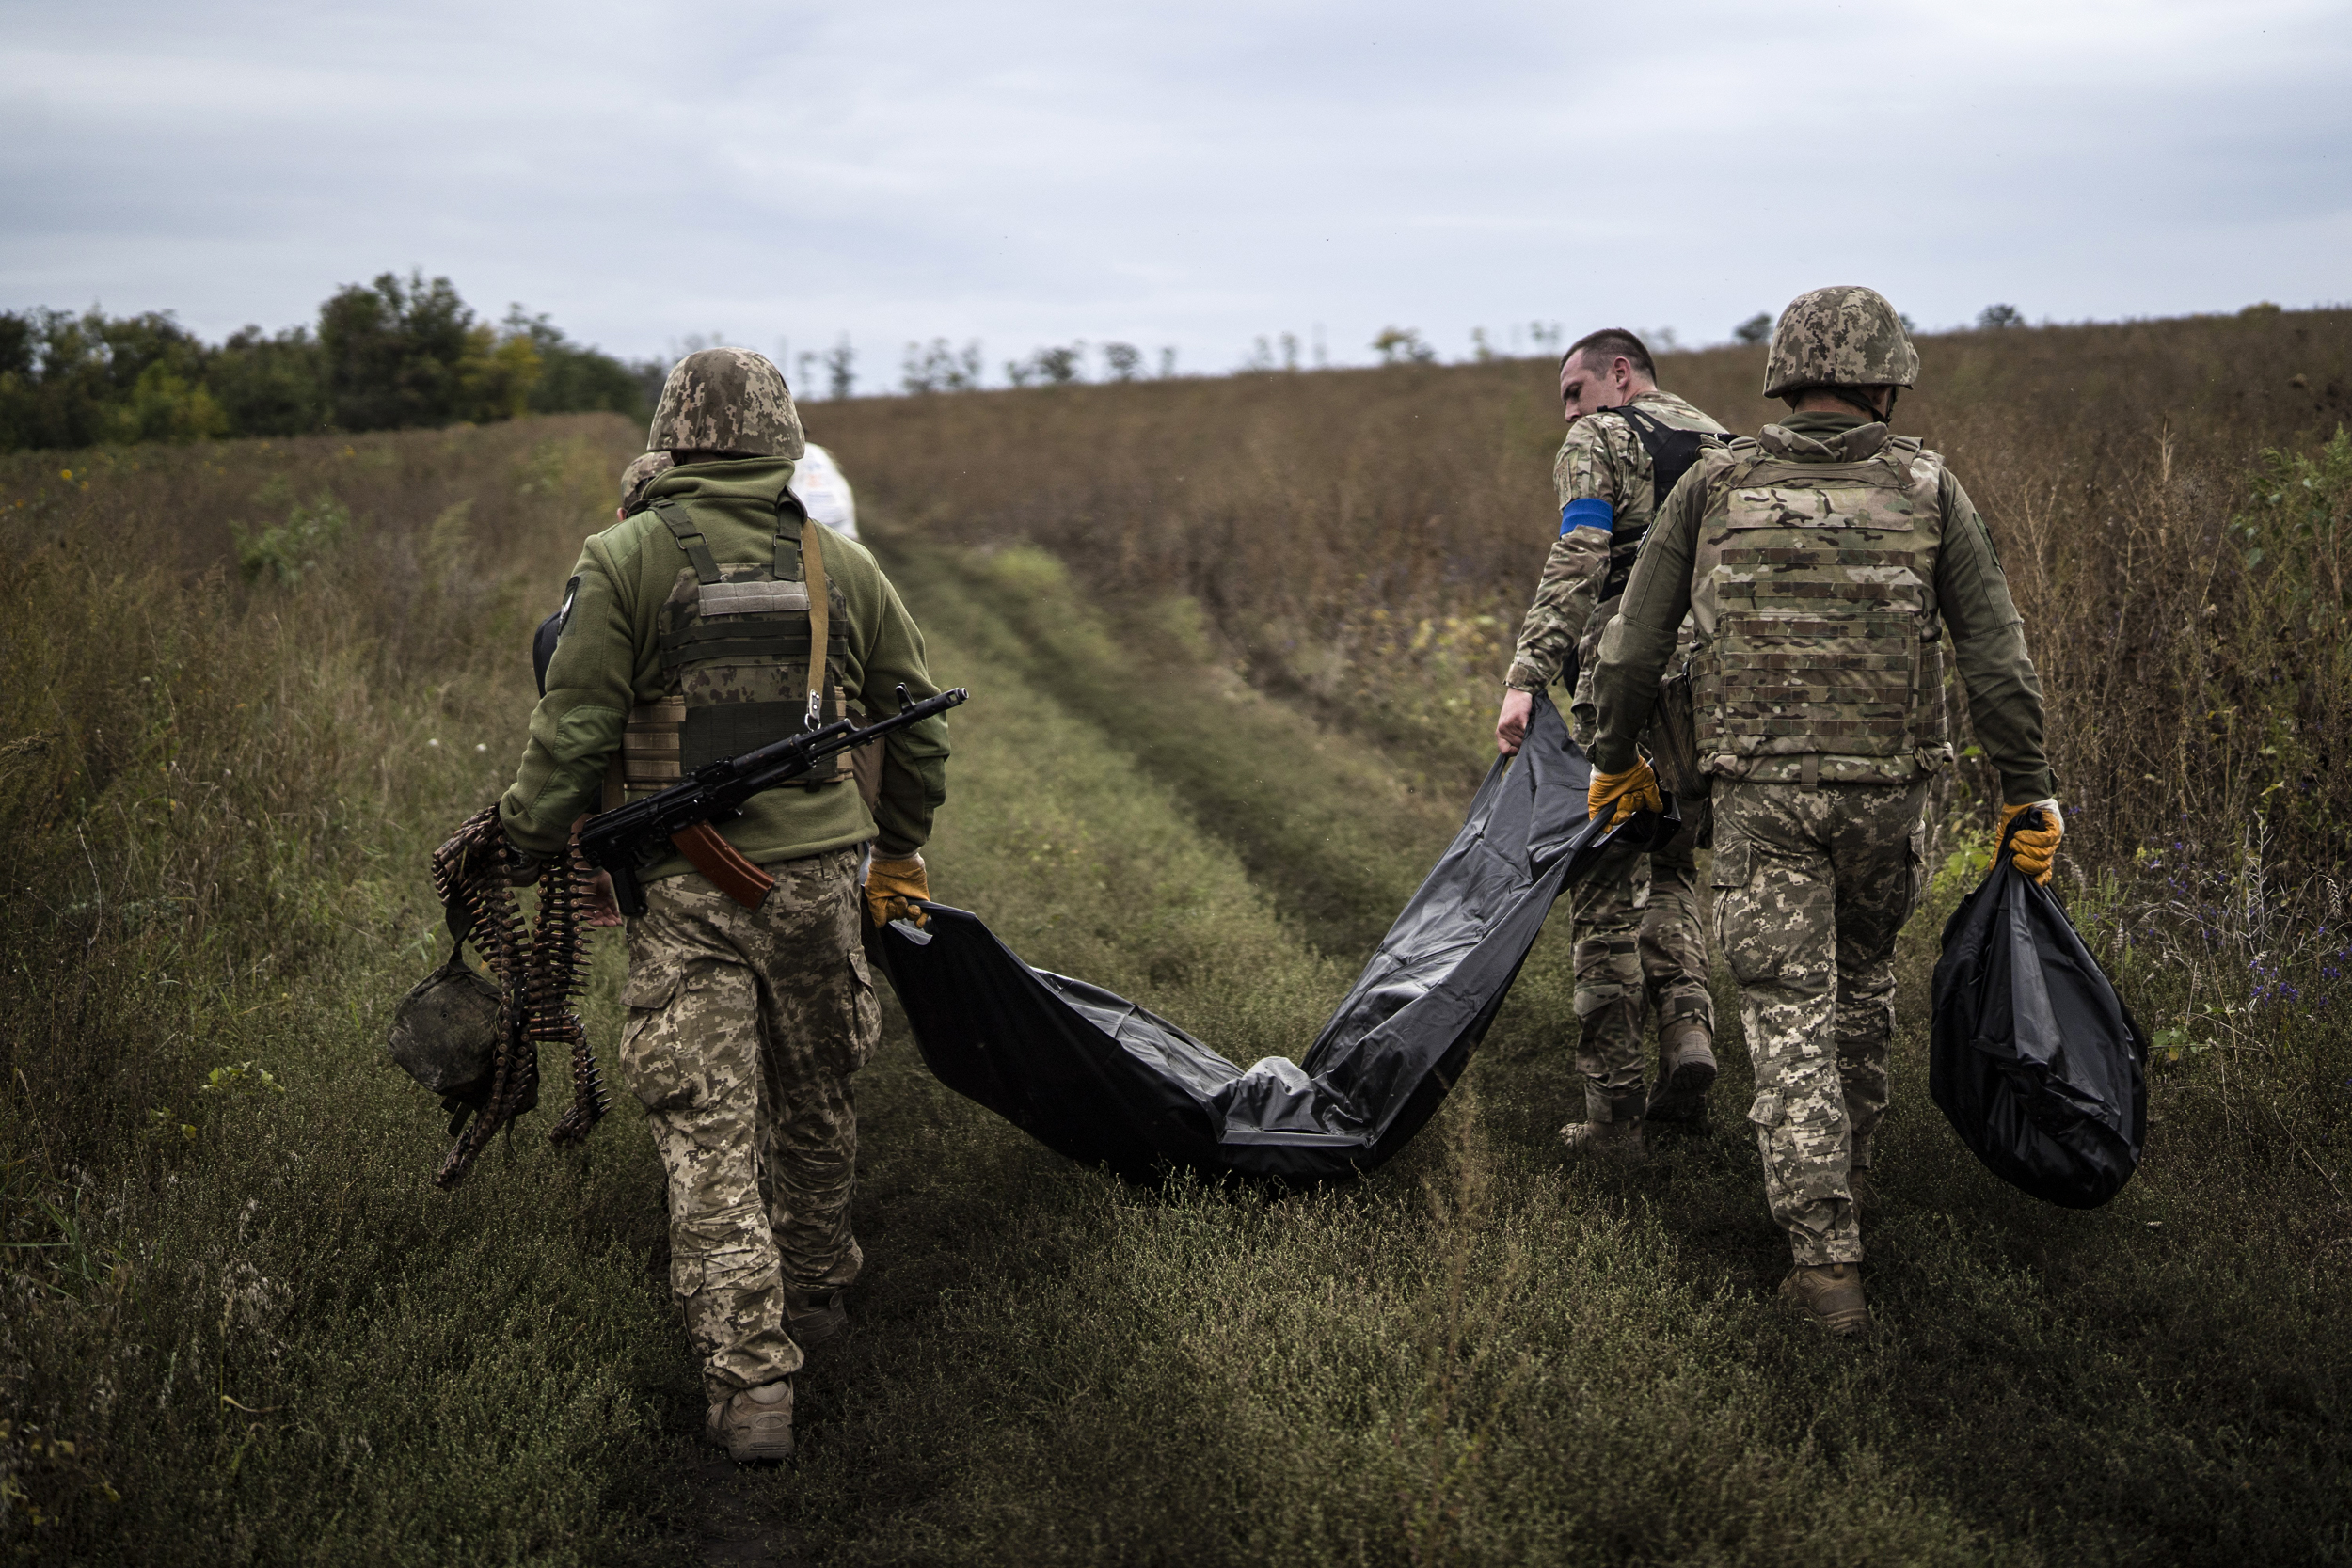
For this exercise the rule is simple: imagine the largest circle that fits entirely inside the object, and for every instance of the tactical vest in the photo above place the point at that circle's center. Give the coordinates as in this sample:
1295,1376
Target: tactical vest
1672,451
1818,653
733,643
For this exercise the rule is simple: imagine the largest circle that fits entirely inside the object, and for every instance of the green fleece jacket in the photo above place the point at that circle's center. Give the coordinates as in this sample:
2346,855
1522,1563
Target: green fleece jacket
606,662
1971,593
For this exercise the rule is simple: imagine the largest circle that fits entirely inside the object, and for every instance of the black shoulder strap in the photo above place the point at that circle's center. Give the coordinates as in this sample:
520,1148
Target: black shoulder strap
1671,451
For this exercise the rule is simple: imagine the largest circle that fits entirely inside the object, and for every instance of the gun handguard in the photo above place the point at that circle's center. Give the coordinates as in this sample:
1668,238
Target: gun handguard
627,839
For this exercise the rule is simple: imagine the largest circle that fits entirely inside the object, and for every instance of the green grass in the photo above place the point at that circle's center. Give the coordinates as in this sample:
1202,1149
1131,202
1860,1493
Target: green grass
2045,1385
1052,1366
269,1339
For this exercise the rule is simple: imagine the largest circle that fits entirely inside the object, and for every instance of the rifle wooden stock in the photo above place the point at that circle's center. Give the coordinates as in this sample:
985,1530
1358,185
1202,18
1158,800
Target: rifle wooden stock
623,839
716,858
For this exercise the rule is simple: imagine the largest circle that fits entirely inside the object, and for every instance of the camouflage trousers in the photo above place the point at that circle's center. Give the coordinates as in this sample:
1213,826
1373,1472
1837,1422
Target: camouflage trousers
1811,888
744,1028
1641,943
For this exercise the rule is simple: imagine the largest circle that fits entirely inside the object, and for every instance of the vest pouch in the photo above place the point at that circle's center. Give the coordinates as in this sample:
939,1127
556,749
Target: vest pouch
1673,739
1930,725
717,731
1672,743
649,746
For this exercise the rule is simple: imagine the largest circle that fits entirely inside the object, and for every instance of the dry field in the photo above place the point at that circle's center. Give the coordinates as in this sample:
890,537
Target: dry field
1233,645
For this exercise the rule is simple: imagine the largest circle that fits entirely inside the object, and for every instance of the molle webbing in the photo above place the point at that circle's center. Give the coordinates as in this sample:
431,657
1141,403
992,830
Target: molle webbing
649,746
735,647
1817,581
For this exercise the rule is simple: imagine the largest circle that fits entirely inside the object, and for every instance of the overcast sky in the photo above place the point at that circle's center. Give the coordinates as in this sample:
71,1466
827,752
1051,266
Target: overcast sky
1190,175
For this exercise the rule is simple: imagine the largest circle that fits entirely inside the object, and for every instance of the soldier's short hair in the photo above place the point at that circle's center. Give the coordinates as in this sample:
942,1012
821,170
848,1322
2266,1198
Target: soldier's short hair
1612,343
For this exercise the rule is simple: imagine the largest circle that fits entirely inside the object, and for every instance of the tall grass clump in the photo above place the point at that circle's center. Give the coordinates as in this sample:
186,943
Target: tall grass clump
238,1327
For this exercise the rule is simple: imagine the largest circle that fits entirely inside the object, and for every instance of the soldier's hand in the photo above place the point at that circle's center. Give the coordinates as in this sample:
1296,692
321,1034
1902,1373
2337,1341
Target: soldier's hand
601,907
2034,850
1627,793
522,866
1511,723
596,901
892,888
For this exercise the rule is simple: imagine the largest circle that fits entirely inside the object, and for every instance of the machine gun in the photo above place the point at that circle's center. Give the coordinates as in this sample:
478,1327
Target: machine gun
627,839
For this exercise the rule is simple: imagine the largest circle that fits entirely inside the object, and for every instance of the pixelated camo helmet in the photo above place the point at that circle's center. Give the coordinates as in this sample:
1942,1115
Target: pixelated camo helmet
639,476
1846,336
726,400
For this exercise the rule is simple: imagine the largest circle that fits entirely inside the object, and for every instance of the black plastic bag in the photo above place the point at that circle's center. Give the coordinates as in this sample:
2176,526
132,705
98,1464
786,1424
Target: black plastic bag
1099,1079
2035,1060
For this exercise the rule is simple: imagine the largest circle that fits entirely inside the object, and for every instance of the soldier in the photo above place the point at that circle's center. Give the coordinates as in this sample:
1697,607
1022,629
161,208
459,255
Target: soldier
1639,929
638,478
1821,563
688,637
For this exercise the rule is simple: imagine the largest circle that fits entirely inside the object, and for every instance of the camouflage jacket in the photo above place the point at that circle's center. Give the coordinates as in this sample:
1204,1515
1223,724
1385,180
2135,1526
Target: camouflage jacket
1601,461
1963,587
607,662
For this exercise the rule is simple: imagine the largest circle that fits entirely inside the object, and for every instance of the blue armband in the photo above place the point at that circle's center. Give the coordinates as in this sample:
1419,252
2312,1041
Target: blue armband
1590,512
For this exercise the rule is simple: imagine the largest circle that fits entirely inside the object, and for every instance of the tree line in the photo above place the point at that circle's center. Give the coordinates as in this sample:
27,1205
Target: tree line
383,356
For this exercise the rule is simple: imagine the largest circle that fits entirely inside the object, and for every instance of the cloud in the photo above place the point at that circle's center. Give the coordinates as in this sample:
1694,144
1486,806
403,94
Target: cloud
1193,175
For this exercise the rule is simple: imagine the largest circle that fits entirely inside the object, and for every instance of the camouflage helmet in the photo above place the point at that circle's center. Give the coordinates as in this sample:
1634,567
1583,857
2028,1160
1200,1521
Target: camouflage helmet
639,476
726,400
1846,336
446,1030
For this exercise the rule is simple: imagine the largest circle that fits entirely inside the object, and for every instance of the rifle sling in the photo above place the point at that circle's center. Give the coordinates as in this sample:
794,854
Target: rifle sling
820,616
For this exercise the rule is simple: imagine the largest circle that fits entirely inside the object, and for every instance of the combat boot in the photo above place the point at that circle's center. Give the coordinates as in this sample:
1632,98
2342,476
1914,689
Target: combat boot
1686,1070
754,1423
814,1316
1832,1293
1619,1137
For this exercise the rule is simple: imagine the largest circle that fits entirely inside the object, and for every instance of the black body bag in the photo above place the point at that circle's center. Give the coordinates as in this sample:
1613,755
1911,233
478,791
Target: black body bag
2035,1060
1099,1079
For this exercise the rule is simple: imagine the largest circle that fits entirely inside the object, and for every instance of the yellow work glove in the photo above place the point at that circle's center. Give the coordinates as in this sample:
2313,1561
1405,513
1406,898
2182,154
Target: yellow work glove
892,887
1633,790
2035,847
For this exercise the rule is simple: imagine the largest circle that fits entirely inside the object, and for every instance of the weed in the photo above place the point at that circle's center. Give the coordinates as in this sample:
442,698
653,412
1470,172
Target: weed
283,551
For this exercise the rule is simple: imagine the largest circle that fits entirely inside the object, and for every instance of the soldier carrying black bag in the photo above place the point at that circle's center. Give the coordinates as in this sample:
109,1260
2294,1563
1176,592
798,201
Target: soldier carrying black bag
1821,562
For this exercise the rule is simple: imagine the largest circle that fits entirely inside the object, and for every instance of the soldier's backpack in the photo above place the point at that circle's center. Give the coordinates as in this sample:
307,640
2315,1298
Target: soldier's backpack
2032,1056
